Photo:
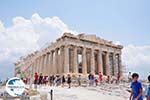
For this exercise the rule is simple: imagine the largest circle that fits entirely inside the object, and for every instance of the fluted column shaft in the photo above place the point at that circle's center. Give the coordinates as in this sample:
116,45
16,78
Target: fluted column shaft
100,63
115,64
52,62
120,65
75,59
38,65
56,61
61,58
107,64
66,63
47,64
92,61
84,61
43,64
41,59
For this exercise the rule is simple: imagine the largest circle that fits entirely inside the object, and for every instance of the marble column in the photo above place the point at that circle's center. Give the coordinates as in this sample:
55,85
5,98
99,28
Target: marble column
43,64
120,65
47,64
100,63
61,60
92,61
38,65
32,70
75,61
34,66
114,64
66,60
54,62
84,61
41,58
107,64
50,64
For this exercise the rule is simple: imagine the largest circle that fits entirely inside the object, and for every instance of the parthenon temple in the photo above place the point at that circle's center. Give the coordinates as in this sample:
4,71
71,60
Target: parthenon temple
74,54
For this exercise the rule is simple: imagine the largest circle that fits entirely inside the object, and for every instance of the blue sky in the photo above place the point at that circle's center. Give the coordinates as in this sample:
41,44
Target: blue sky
126,21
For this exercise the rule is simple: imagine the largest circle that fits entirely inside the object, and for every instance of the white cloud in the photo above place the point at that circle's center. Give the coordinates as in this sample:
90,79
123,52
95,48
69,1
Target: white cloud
137,58
136,55
29,34
117,43
26,35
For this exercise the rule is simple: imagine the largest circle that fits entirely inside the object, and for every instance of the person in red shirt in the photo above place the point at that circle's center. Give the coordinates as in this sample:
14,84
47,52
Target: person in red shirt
35,78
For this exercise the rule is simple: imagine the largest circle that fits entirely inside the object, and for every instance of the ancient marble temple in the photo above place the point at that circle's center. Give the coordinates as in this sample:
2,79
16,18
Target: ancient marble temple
74,54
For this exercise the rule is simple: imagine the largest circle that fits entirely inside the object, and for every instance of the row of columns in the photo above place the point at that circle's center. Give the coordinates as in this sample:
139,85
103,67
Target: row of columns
57,62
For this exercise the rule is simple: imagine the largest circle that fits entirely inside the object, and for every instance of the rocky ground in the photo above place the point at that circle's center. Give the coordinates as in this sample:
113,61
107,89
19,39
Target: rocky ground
101,92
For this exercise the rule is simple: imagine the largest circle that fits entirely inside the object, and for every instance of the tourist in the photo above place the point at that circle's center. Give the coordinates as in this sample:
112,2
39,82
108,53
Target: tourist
35,80
129,77
53,80
63,80
50,80
45,80
111,80
96,81
100,77
69,80
108,79
118,78
147,90
40,79
79,80
136,86
91,79
58,80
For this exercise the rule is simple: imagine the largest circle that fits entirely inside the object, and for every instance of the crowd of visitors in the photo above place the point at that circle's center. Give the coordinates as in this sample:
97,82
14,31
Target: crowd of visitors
57,80
94,80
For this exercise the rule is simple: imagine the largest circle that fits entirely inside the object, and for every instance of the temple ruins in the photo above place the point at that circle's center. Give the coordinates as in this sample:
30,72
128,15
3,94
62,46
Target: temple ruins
74,54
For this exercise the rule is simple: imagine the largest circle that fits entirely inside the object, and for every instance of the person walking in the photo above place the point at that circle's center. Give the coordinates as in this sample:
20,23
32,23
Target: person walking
35,80
136,88
40,79
53,80
91,79
63,80
79,80
96,81
147,90
69,80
